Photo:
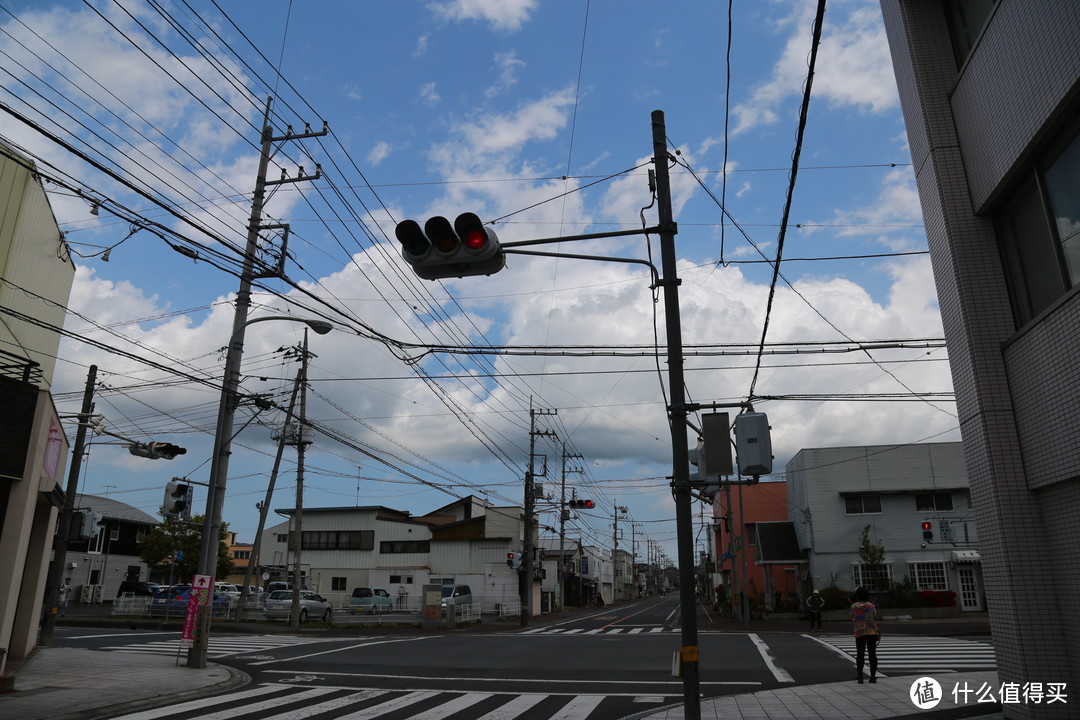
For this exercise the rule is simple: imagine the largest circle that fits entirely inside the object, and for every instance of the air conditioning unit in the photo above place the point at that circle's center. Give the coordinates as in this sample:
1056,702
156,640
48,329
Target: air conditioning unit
85,593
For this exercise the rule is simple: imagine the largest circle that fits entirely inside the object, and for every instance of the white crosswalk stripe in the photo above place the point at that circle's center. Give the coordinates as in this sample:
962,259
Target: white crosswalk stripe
923,654
338,703
599,631
222,646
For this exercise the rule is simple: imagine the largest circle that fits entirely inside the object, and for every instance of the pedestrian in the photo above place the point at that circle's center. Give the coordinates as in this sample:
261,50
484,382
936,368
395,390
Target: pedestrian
65,593
815,603
864,621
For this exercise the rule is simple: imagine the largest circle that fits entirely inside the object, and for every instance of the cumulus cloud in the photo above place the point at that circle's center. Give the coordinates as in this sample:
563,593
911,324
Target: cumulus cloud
503,15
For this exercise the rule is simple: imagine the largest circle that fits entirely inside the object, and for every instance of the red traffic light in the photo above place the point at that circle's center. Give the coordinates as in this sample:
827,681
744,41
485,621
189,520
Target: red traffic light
927,525
441,250
586,504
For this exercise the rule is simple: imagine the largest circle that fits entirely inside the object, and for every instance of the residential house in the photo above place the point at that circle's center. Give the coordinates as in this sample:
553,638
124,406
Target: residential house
107,554
37,274
465,542
834,493
990,91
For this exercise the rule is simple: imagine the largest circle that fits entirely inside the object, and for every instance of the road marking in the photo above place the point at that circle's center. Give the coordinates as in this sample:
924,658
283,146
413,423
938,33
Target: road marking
341,649
159,712
514,708
579,707
450,707
778,672
321,707
546,681
389,706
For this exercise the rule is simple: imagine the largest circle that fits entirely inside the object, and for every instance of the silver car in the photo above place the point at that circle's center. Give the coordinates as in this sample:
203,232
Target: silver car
312,605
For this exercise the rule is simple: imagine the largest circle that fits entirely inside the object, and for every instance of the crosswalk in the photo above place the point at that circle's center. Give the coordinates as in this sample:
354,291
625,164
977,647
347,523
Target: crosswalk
639,630
220,646
904,653
273,701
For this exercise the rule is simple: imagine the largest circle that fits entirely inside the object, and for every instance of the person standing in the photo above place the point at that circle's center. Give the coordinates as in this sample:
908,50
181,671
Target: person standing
65,594
815,603
864,622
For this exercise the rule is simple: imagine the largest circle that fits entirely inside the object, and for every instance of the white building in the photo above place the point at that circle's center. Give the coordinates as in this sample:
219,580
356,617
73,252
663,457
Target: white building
464,543
833,493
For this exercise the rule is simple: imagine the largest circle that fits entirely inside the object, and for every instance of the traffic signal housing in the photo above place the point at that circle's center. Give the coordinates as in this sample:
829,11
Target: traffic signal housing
582,504
513,560
927,531
176,499
156,450
441,250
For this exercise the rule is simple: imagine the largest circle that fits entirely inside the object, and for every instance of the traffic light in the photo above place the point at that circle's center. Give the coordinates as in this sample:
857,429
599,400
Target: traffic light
582,504
441,250
513,560
927,531
176,499
156,450
753,444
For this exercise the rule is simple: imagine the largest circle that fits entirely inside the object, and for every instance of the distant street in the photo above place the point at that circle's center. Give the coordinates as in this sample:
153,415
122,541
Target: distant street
605,664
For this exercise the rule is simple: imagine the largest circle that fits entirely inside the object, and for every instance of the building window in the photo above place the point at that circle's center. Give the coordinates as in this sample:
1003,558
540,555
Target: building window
862,504
1039,231
395,547
241,554
283,537
929,576
872,577
966,20
338,584
933,501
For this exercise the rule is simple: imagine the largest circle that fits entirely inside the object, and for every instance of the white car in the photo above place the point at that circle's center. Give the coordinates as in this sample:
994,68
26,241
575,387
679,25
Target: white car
312,605
228,589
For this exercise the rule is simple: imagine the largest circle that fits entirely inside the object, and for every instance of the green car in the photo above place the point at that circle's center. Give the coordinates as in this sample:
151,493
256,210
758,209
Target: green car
370,600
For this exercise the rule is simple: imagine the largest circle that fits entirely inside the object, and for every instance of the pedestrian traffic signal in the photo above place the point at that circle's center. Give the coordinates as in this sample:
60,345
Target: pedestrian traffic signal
513,560
176,499
585,504
927,530
441,250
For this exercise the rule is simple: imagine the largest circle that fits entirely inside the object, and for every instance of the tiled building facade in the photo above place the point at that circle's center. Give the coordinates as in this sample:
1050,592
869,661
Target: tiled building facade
991,98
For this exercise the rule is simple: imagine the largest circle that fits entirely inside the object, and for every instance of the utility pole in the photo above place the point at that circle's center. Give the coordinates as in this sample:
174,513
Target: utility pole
298,516
615,553
563,512
219,461
60,541
689,653
264,506
526,582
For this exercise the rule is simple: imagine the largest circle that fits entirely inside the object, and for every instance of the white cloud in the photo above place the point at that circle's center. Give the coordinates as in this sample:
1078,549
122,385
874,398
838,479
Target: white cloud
380,152
853,67
504,15
507,65
428,94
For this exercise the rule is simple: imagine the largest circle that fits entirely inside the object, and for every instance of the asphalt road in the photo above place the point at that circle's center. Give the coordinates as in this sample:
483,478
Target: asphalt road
604,664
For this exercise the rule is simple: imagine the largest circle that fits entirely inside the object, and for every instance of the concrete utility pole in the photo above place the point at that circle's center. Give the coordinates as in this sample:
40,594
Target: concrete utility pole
219,462
298,514
264,506
63,534
677,413
563,512
526,582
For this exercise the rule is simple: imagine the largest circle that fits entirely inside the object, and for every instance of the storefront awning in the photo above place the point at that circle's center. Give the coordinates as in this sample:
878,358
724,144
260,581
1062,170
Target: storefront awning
966,556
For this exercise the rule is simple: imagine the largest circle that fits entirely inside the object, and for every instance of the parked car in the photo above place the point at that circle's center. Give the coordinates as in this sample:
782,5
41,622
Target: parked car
456,595
174,601
227,589
138,589
279,605
370,600
281,585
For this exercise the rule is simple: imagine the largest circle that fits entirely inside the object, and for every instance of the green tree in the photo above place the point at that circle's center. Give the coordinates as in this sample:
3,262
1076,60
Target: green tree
872,556
175,537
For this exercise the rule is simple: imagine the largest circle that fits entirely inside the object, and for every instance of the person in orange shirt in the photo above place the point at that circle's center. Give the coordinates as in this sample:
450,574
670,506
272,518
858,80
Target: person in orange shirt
864,621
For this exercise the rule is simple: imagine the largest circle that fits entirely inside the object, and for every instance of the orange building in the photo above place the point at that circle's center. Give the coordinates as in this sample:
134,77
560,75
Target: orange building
758,555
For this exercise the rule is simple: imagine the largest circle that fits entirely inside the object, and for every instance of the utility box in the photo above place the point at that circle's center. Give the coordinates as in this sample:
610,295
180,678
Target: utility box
753,444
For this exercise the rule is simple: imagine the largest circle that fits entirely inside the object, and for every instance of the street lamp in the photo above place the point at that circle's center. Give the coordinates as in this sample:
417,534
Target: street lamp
219,467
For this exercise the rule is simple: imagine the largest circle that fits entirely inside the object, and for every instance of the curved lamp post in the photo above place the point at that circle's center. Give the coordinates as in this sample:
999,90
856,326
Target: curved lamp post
219,468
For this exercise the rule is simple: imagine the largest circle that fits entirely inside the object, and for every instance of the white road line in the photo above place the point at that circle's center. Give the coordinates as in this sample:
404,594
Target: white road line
389,706
341,649
325,706
578,708
778,672
450,707
514,708
155,713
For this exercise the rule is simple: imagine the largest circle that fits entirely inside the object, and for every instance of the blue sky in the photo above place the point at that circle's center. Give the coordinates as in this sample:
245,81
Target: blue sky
531,114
